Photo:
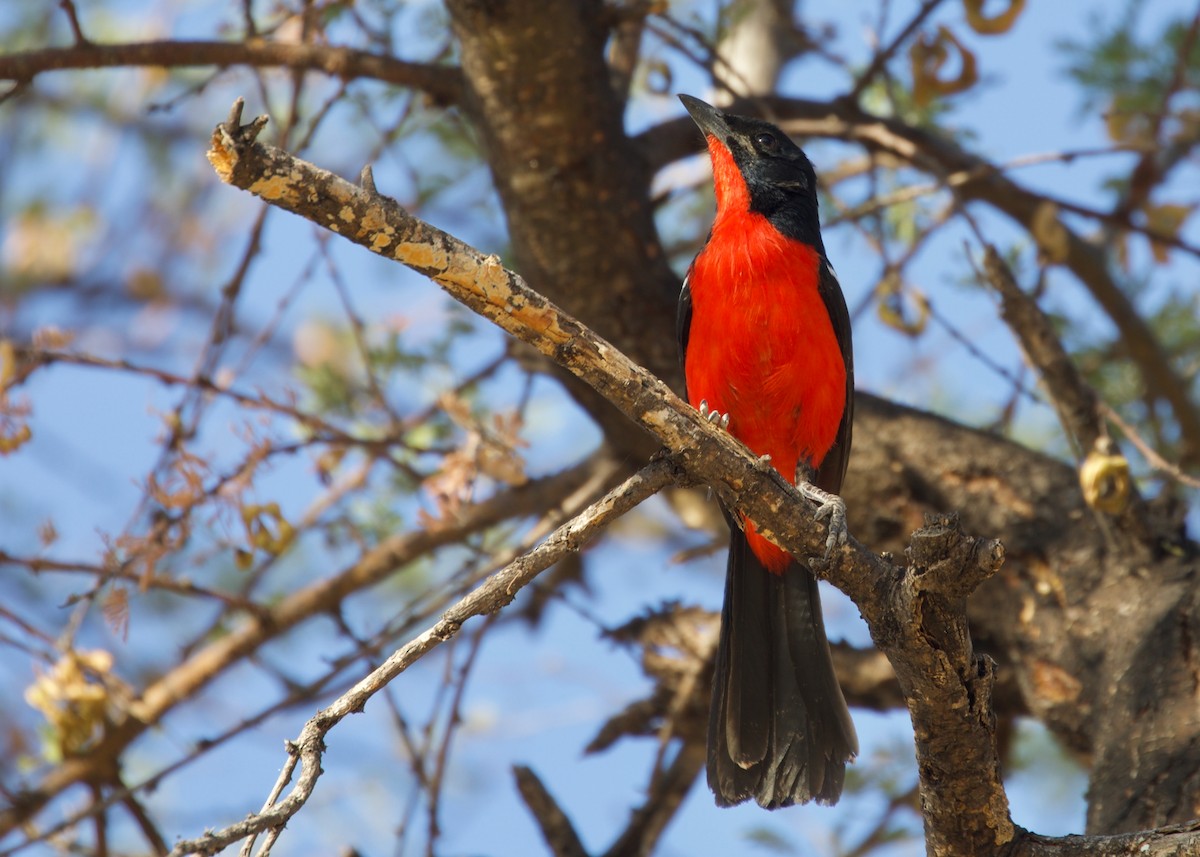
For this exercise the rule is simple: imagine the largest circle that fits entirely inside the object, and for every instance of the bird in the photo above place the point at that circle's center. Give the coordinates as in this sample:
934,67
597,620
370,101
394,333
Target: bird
764,337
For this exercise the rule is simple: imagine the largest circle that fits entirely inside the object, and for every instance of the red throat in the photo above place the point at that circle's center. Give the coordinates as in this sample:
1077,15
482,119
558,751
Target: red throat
731,191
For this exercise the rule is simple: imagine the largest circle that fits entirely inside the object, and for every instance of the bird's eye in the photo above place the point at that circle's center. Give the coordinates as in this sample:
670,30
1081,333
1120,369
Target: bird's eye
766,142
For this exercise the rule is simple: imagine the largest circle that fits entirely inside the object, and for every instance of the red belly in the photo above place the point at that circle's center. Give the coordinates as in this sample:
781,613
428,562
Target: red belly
762,349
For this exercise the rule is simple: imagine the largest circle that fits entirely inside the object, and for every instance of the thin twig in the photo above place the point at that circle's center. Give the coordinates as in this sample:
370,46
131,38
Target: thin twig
884,55
1153,458
1075,401
68,6
498,591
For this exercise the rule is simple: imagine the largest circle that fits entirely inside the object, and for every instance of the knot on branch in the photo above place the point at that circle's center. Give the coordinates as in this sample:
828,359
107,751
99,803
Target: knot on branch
230,139
944,560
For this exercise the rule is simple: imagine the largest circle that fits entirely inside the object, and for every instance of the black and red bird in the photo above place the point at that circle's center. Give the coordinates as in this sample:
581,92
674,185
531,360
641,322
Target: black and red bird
765,338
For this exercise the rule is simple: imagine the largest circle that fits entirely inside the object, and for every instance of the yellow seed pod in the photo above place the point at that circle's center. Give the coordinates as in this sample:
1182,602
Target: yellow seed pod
1104,478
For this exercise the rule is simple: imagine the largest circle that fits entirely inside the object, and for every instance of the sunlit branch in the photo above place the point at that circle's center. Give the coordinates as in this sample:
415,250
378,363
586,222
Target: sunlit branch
925,602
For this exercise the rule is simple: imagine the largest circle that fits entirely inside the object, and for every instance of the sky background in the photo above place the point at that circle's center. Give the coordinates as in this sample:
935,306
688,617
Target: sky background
537,697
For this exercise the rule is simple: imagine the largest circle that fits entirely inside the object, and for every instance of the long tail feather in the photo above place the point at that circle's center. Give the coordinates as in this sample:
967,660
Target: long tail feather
779,730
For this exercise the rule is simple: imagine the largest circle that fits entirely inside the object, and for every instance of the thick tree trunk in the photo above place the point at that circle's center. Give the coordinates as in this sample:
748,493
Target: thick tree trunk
1093,618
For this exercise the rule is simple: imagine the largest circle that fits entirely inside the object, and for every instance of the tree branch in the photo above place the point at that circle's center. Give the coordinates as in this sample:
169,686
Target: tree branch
496,592
203,666
939,157
1077,403
442,83
556,827
916,613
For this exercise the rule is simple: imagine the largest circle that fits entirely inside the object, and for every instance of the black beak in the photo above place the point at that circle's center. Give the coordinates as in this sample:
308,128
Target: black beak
710,120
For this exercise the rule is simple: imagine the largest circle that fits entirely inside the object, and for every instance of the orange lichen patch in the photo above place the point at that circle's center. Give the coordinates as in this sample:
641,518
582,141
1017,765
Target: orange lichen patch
374,220
421,256
223,158
281,187
376,229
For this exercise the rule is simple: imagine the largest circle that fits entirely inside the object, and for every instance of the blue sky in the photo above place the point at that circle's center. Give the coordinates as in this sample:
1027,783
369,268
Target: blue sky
537,697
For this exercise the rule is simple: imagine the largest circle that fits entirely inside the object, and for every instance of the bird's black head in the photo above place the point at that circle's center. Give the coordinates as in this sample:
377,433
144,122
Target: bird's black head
779,179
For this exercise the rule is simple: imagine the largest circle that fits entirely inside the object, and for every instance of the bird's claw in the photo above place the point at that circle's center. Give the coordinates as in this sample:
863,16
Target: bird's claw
715,417
832,507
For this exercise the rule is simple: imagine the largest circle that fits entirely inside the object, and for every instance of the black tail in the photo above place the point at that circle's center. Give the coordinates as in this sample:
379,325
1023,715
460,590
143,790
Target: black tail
778,729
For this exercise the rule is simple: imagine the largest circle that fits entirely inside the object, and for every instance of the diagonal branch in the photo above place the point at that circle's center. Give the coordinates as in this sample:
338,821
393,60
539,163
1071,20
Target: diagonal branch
482,283
917,613
496,592
1077,403
884,54
211,661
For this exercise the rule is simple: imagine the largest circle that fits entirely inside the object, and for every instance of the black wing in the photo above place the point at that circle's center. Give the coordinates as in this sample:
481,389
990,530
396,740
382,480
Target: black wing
833,468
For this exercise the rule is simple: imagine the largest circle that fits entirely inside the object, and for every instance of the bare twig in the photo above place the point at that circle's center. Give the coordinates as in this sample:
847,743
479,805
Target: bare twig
1152,456
1075,401
210,661
68,6
495,593
647,822
1152,166
884,55
556,827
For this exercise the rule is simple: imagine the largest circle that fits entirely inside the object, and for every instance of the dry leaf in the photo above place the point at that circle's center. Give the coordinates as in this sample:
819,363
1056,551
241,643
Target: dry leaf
928,57
1050,234
266,528
1166,219
73,698
115,608
996,24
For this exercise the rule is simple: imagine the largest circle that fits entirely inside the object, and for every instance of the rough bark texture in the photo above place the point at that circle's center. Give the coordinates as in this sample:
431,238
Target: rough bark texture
574,190
1067,618
1093,618
916,610
1095,627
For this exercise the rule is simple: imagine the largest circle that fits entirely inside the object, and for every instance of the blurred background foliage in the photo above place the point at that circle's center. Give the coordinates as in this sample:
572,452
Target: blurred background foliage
209,410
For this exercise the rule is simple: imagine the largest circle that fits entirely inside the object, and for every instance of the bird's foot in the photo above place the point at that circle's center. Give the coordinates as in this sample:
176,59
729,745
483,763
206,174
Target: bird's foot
715,417
829,506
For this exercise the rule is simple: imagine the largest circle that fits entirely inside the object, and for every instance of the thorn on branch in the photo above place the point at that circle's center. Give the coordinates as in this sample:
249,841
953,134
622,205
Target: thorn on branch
68,6
230,138
240,133
366,180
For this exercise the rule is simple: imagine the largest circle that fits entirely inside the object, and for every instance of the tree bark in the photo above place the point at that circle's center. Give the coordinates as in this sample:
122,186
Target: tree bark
1096,632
